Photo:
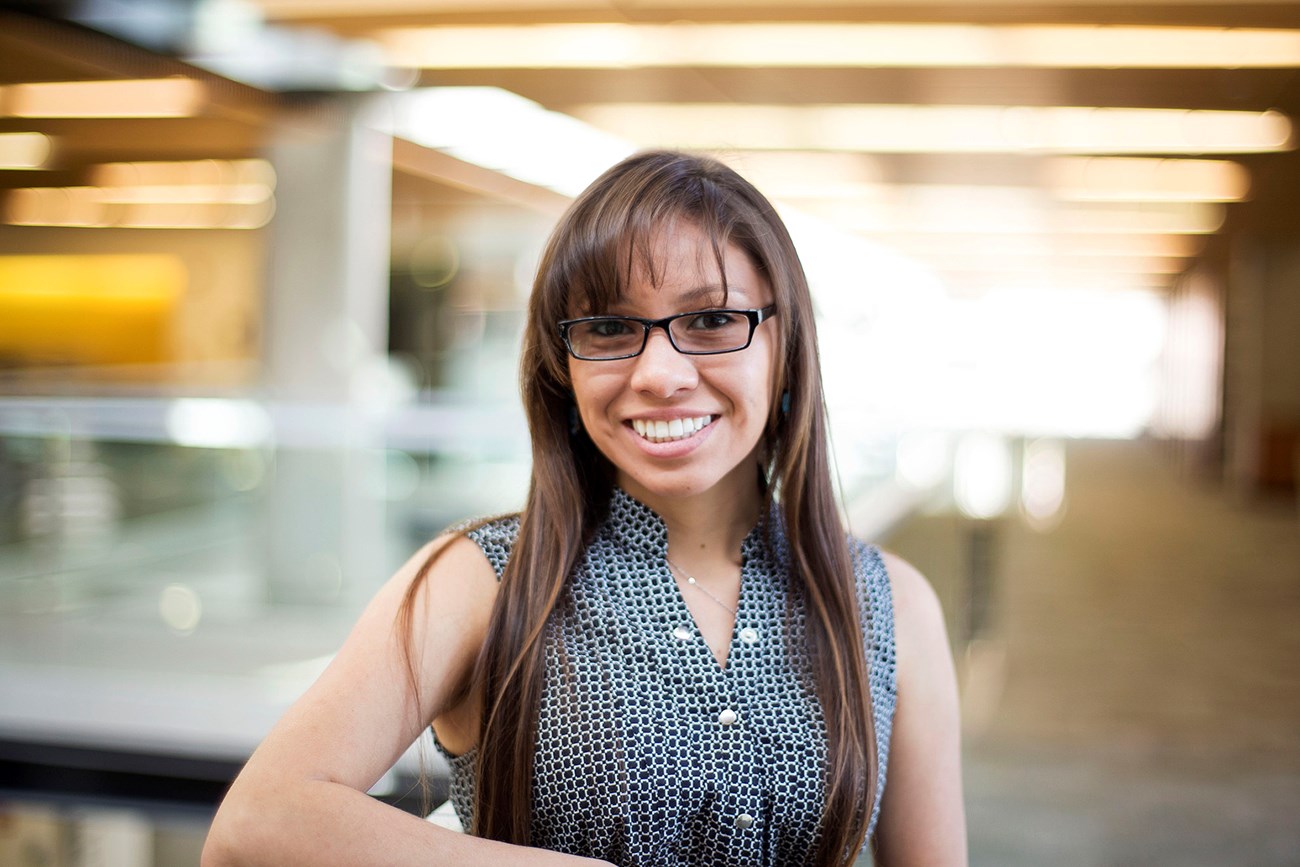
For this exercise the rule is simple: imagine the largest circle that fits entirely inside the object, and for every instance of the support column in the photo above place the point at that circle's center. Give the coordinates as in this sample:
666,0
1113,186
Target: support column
1263,366
1243,365
325,348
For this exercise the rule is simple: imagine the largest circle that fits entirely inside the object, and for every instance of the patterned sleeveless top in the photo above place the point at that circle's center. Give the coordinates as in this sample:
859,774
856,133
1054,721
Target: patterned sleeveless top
649,752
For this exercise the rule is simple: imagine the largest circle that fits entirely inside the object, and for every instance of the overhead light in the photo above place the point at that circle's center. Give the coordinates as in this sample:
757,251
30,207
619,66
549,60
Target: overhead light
202,182
976,283
1174,218
24,150
943,129
190,215
808,174
835,44
184,194
54,206
196,173
955,214
842,176
1107,47
290,9
986,243
156,97
190,194
1134,179
133,208
500,130
1053,263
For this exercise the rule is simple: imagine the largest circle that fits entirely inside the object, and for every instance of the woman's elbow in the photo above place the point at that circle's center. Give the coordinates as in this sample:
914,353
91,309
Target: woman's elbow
232,839
217,852
220,849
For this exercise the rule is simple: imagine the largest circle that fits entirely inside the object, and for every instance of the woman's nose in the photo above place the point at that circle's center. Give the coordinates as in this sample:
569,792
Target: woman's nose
660,369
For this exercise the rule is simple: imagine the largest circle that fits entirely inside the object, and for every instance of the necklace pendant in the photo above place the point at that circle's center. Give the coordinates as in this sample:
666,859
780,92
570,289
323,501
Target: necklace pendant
690,579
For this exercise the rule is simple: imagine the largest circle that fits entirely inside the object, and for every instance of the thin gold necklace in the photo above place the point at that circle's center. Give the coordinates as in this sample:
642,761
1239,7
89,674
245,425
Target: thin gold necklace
690,579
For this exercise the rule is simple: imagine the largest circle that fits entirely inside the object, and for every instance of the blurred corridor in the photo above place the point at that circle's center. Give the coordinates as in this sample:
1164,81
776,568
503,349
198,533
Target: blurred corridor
263,268
1135,699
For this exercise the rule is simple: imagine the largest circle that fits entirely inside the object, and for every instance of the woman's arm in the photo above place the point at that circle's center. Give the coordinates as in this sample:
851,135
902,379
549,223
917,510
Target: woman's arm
922,817
301,799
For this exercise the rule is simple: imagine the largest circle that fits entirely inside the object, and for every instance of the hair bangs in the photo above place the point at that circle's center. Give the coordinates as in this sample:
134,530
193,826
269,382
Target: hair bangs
603,270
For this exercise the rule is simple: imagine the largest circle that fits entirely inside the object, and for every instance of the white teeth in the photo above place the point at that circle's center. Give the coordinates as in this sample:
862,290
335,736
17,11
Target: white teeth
678,428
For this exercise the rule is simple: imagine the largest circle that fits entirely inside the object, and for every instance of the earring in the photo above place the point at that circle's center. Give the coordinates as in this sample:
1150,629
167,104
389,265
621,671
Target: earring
785,403
575,424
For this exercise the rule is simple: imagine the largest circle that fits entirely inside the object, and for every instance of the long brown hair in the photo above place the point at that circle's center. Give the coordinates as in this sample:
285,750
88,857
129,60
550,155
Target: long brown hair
585,266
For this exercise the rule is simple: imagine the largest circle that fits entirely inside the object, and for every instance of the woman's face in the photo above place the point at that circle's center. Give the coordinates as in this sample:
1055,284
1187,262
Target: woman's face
623,402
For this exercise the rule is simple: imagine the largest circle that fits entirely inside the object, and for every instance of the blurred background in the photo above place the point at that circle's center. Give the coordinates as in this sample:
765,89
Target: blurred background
262,272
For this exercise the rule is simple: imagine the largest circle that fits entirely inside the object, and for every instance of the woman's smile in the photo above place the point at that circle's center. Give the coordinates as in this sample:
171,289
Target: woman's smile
661,431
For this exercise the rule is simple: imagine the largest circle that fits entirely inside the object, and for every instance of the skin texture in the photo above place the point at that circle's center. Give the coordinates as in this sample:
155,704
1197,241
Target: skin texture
301,798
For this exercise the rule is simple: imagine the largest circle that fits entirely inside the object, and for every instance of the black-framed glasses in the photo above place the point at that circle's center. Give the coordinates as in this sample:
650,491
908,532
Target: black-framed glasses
699,332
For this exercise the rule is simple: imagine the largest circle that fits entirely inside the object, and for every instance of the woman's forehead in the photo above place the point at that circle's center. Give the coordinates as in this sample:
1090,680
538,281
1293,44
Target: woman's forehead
675,260
640,295
679,287
681,258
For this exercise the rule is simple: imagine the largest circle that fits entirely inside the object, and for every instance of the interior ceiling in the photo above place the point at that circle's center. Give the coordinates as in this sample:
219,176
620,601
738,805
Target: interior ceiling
557,88
347,15
230,125
235,122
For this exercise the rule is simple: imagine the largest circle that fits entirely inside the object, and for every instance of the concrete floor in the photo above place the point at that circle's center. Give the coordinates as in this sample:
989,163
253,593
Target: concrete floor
1134,698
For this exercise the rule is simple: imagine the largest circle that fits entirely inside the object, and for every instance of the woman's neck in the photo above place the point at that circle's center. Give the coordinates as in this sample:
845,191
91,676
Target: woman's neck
709,524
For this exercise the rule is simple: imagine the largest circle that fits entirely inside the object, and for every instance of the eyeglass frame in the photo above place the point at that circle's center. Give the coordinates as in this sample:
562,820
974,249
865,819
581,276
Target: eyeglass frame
755,316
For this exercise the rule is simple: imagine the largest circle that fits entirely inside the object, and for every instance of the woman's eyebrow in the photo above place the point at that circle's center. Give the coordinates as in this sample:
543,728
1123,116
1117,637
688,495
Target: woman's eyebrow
708,294
698,298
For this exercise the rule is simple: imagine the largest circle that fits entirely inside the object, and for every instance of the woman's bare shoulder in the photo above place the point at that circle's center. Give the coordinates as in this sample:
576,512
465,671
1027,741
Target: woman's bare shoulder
913,595
454,561
450,587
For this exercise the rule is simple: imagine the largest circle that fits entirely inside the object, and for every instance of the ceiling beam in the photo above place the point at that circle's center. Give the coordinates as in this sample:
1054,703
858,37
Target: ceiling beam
353,18
423,162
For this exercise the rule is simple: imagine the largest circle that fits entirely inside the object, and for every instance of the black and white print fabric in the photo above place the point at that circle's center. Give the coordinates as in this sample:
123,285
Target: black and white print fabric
648,751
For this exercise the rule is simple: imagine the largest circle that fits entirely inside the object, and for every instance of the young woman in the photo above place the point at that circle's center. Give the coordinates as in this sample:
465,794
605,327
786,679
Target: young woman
674,655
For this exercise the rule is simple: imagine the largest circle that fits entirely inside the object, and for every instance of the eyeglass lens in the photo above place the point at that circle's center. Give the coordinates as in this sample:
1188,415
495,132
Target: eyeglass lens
705,332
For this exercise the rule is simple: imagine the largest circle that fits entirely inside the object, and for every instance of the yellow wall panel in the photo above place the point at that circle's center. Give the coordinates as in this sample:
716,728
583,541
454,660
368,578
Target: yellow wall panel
89,309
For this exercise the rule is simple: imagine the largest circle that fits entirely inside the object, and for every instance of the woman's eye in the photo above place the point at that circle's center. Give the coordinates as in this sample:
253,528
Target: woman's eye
610,328
713,320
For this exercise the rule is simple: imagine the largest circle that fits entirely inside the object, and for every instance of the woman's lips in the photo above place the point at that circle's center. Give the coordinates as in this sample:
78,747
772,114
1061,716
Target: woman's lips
669,430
